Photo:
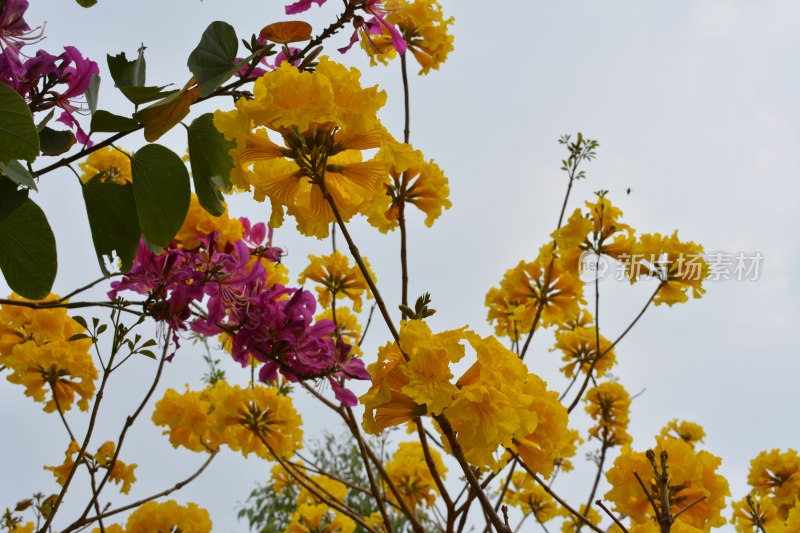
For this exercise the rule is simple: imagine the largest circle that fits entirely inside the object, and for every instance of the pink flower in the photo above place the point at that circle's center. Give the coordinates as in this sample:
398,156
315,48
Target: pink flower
301,6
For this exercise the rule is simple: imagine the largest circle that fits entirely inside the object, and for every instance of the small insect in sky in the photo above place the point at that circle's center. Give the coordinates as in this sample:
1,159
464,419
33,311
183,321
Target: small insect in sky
628,190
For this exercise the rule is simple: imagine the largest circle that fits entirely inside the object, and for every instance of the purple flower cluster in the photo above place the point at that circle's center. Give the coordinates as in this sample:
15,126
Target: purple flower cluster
269,323
46,81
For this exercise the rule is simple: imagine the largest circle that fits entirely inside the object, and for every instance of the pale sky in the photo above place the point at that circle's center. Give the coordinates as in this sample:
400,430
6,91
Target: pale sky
695,106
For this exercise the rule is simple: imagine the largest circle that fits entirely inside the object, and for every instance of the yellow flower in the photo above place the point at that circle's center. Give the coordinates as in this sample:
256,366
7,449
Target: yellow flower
679,265
168,516
692,474
121,473
61,472
687,431
35,346
328,488
744,520
200,223
527,495
411,180
281,479
337,279
570,523
579,347
246,416
551,442
28,527
347,324
188,420
776,474
319,519
608,404
410,474
113,164
424,28
324,120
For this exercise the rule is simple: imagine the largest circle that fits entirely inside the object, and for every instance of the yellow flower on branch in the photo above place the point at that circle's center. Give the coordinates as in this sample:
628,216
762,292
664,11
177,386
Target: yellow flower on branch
121,473
319,518
579,348
323,120
776,474
114,165
337,279
410,474
609,404
528,496
745,520
679,265
200,223
689,432
35,346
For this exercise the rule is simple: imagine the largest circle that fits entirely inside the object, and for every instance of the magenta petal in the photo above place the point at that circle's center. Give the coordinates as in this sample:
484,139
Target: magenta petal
353,40
302,5
397,38
346,396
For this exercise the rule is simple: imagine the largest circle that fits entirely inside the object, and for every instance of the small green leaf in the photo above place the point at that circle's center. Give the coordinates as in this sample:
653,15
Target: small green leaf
127,73
78,337
162,192
92,93
147,353
111,209
143,95
82,321
40,126
18,137
11,197
28,251
103,121
55,142
101,329
211,163
17,173
212,62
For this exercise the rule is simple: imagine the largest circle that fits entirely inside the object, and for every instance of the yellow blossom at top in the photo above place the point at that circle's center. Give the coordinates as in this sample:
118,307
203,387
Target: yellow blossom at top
527,495
199,223
35,347
323,120
115,166
692,474
679,265
608,404
337,279
410,474
687,431
424,28
320,518
411,180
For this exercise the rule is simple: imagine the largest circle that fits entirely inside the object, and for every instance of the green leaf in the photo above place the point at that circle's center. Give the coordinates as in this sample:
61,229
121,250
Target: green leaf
113,220
162,192
143,95
86,3
127,73
211,163
162,116
55,142
18,137
103,121
147,353
17,173
11,197
92,93
78,337
40,126
212,62
28,251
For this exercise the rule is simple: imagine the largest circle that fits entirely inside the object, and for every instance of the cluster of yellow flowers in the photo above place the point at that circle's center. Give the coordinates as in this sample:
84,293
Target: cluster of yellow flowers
528,496
325,120
693,479
608,404
775,481
495,404
256,420
337,279
424,28
35,346
121,473
410,474
164,517
549,291
112,163
199,223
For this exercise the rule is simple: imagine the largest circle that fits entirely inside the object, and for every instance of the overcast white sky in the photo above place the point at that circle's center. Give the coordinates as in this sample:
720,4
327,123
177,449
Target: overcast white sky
695,106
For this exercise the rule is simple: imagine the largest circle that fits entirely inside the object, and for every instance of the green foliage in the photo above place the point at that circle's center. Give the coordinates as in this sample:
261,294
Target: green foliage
55,142
111,209
103,121
213,61
162,192
129,77
11,197
28,251
17,173
18,136
211,163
